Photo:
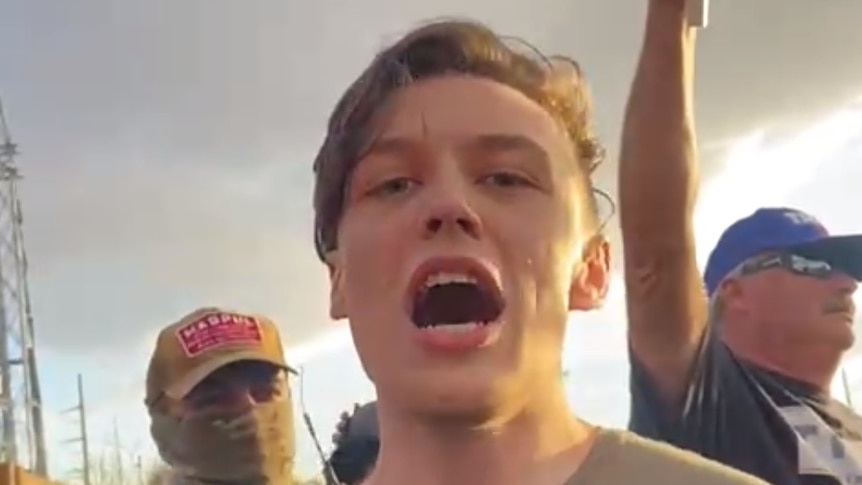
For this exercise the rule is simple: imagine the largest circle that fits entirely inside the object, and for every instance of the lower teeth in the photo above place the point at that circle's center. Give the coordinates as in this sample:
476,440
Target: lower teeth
455,327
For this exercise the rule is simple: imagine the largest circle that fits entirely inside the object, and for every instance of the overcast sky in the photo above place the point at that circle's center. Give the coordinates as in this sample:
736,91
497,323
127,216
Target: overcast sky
167,146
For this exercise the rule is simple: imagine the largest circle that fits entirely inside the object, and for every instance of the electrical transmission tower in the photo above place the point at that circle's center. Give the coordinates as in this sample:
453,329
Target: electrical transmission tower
22,436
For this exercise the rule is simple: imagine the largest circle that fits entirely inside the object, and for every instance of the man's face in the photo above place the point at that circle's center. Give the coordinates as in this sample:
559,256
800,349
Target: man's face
799,300
234,426
468,208
237,387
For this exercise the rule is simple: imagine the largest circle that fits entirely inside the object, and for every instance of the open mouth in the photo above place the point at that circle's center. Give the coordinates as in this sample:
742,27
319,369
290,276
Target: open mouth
455,297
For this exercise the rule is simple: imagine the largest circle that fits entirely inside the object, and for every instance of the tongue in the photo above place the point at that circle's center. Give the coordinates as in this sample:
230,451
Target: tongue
448,304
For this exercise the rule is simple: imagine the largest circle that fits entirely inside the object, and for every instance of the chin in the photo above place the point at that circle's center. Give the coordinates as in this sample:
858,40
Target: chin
463,411
844,333
846,341
841,339
466,395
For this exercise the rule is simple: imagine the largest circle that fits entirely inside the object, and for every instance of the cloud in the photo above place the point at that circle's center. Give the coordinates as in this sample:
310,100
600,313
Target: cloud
769,169
114,253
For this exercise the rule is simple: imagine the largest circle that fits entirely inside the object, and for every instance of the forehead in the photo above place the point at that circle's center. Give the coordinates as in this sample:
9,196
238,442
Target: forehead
459,108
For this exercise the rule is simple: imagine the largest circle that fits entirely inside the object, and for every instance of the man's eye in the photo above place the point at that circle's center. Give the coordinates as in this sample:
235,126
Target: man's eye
265,393
393,186
506,179
201,399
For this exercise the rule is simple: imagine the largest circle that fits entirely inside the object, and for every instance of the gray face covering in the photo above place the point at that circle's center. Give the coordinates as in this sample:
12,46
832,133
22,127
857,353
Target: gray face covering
251,448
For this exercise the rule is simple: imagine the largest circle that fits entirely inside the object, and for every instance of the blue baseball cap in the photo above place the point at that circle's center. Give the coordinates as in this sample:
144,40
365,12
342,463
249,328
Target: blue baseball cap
781,229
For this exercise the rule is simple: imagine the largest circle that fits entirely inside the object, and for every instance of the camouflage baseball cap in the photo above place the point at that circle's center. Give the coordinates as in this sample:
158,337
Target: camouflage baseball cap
205,340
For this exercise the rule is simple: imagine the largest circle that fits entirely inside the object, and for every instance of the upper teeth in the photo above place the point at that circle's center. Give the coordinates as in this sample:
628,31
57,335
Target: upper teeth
443,278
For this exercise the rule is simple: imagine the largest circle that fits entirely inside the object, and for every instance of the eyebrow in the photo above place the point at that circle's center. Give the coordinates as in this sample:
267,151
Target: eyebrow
391,145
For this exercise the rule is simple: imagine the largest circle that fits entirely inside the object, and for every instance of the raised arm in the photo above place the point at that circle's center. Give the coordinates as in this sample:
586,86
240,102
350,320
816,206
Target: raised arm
658,186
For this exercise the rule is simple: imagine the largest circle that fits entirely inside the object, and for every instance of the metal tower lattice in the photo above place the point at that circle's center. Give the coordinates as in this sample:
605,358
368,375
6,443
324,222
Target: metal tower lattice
22,436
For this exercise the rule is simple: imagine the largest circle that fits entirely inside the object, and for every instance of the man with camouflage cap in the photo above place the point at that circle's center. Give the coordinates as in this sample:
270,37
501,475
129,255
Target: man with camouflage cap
219,401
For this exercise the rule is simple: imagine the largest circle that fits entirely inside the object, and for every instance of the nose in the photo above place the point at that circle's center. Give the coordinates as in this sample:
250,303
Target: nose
450,212
844,283
238,399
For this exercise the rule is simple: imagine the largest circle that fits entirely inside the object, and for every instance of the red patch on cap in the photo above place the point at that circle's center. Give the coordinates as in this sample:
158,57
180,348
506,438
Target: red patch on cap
216,330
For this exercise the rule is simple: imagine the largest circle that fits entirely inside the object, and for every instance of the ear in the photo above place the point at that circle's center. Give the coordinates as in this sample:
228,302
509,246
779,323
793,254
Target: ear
591,277
337,303
730,294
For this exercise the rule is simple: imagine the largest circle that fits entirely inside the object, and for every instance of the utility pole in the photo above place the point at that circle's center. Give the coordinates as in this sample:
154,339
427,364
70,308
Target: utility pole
139,469
118,466
83,437
22,433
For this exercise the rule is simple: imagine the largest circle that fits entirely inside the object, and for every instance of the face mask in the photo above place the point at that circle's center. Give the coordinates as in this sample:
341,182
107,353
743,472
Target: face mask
251,448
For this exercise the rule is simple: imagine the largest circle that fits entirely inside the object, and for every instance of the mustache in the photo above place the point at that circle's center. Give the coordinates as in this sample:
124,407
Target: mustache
843,305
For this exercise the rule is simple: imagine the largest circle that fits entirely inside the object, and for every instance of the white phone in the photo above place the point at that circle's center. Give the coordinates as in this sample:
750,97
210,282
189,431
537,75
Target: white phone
698,13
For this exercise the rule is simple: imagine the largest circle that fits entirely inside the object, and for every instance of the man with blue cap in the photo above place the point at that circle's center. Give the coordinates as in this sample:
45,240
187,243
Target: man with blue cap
742,373
739,372
755,394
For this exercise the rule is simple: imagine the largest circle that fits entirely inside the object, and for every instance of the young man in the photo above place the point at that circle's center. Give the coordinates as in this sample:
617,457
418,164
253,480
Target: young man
751,389
218,397
455,213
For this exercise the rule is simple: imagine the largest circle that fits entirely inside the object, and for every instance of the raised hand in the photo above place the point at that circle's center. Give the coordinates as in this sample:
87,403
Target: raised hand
698,13
343,427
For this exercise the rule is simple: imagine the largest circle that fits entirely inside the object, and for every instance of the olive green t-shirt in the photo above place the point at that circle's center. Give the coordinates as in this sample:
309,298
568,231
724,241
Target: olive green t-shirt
623,458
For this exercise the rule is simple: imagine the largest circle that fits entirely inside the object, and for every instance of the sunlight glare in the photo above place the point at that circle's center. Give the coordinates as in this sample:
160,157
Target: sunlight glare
757,174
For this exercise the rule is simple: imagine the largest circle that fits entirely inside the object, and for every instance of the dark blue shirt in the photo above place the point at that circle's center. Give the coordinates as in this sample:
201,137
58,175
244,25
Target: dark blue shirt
760,422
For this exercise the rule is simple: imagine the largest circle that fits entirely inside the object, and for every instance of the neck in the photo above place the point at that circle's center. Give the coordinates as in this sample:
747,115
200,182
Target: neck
815,366
812,364
542,443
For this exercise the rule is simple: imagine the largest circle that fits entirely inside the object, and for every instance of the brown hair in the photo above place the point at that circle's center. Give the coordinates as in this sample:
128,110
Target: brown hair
435,49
